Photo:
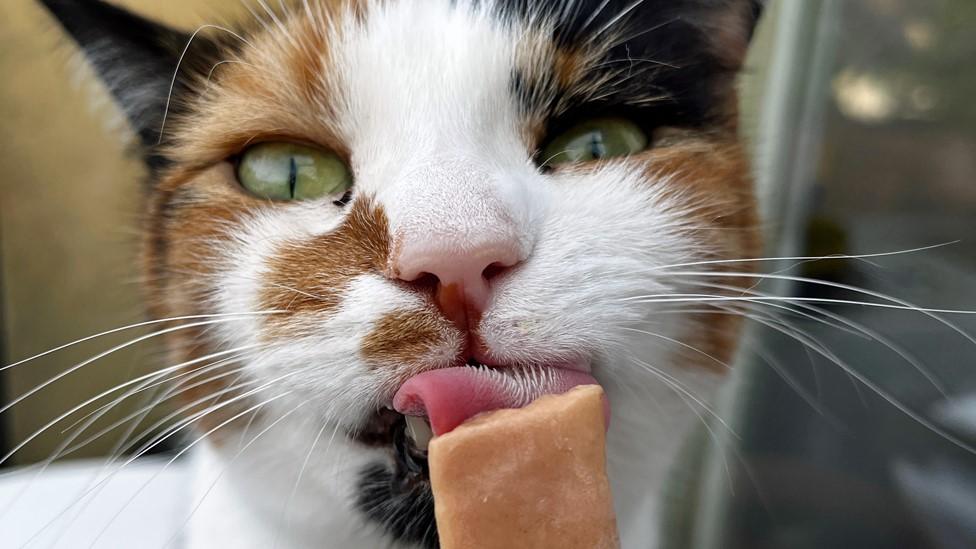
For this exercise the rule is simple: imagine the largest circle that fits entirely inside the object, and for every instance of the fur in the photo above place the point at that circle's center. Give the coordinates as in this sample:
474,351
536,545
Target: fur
441,109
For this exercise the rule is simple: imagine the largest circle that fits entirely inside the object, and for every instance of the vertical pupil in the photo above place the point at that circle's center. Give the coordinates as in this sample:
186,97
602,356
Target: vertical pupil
292,175
597,148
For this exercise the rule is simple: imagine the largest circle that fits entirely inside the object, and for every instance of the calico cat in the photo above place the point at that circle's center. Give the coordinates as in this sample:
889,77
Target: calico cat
404,209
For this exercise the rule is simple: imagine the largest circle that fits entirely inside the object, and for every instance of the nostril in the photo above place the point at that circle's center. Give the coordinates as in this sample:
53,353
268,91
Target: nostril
493,270
426,280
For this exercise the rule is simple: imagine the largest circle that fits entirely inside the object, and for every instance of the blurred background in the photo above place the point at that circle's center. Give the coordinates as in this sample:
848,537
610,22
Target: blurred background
851,422
863,122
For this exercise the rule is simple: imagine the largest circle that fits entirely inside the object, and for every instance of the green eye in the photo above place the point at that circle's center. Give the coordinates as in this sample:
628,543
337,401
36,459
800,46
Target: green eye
286,171
595,139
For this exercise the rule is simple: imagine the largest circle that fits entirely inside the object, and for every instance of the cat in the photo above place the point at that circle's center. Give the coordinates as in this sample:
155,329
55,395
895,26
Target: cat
389,206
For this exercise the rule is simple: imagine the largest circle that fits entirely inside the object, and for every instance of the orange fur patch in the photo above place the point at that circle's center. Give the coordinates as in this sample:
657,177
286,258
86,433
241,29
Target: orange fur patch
408,337
309,277
712,176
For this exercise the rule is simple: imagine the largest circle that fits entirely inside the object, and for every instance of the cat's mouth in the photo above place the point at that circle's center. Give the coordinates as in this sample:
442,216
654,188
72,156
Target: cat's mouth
397,494
406,436
435,402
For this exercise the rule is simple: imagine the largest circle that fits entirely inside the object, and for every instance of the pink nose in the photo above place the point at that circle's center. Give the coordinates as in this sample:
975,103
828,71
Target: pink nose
463,271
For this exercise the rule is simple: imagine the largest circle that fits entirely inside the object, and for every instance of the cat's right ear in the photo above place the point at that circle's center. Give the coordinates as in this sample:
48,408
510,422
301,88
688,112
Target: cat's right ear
148,67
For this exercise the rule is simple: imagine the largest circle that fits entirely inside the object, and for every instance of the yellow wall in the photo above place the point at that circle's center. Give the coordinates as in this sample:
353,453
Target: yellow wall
69,210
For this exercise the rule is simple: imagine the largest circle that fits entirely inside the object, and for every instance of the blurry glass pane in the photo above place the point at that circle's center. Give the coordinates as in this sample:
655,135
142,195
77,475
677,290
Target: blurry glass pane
852,418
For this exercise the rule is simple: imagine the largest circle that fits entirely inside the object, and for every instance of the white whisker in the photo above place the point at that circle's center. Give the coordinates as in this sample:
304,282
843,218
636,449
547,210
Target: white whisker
119,347
854,328
152,376
233,459
915,416
130,327
178,455
804,259
188,421
179,63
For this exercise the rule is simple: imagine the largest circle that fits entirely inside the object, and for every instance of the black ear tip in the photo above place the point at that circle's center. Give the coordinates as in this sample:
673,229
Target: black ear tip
134,56
68,10
88,20
56,4
60,9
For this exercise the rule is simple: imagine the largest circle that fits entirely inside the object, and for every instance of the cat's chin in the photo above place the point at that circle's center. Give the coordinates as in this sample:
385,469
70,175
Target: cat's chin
387,428
396,494
438,400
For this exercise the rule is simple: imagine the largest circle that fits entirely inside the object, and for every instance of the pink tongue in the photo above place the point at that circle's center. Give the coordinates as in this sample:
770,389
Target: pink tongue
451,396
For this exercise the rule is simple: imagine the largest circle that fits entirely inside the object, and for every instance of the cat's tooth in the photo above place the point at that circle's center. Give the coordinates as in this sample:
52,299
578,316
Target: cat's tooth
419,432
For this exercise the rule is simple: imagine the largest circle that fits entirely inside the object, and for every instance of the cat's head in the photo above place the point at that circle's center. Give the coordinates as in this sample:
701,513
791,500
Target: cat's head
457,204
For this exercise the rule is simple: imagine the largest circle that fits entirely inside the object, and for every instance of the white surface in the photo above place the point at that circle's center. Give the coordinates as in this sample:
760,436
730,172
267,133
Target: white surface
72,505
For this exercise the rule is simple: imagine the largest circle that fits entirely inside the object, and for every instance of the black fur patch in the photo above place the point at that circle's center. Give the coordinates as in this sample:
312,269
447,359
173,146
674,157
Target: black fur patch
137,60
579,20
397,496
404,509
660,60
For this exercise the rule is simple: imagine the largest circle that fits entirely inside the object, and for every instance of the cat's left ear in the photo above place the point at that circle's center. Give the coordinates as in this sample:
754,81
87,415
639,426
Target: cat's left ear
148,67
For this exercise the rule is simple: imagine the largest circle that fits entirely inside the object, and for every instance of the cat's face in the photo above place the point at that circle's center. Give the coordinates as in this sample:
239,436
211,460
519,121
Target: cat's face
522,179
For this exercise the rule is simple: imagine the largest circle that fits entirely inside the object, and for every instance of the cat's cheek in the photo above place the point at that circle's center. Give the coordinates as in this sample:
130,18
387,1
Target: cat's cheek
349,362
605,228
240,256
710,179
713,175
309,271
192,218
